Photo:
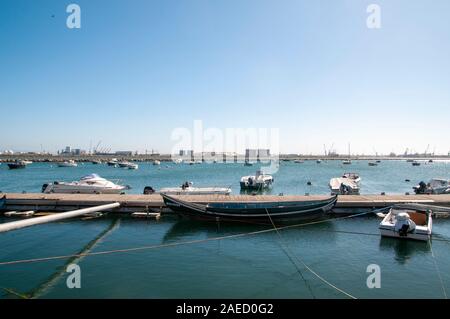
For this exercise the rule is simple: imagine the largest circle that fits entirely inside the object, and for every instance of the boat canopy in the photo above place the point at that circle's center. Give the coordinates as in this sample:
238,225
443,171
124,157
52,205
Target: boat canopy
91,176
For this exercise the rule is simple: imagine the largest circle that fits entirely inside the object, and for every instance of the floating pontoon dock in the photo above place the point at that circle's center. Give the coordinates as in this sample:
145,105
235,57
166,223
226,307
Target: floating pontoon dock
154,203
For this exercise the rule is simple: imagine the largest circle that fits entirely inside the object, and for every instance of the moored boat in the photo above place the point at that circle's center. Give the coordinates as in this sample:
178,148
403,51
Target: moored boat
347,162
90,184
434,186
188,189
2,201
280,210
69,163
348,184
17,165
128,165
113,162
257,182
407,223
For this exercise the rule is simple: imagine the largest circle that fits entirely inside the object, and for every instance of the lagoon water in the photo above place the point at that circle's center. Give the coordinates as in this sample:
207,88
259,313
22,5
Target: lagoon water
253,266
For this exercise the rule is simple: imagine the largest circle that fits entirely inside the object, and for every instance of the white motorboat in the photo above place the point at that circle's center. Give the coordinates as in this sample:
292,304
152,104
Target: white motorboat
156,162
348,184
354,176
113,162
299,161
69,163
28,162
178,161
90,184
407,223
257,182
132,166
188,189
347,161
128,165
434,186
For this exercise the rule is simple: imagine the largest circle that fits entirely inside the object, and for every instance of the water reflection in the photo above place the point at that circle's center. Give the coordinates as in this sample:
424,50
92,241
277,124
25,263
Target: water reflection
187,228
404,249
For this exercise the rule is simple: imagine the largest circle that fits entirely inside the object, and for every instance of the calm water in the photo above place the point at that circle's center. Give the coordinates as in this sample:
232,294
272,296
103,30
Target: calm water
253,266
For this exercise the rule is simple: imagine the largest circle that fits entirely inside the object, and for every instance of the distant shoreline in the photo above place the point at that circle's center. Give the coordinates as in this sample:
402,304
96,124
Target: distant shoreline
5,158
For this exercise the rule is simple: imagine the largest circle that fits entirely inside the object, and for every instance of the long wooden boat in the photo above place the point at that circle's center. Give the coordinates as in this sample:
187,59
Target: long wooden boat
261,210
2,201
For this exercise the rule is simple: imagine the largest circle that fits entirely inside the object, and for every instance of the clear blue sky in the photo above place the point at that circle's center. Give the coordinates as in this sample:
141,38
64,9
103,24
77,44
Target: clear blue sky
138,69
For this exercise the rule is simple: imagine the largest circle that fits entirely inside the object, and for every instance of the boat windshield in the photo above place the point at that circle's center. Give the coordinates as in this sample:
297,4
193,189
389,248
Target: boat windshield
91,176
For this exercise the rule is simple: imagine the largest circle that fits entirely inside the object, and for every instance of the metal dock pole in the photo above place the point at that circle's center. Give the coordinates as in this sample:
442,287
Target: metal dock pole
51,218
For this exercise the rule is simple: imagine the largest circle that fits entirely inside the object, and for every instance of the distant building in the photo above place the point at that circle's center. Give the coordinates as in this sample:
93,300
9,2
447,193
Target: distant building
186,153
69,151
257,155
124,153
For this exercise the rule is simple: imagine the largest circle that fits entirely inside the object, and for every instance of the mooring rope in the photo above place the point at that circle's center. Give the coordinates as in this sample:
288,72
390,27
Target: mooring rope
437,270
306,266
286,251
197,241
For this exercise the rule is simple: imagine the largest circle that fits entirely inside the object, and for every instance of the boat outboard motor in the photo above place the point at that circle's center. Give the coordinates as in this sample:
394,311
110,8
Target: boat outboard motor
148,190
404,224
421,188
44,187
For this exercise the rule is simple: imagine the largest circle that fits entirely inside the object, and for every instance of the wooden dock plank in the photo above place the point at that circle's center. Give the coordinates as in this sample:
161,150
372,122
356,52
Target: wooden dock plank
154,202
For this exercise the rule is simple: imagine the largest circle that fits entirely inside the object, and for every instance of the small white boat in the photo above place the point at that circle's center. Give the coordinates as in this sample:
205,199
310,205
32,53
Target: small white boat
257,182
407,223
113,162
434,186
28,162
178,161
343,186
348,184
133,166
188,189
90,184
299,161
69,163
128,165
354,176
156,162
19,214
347,162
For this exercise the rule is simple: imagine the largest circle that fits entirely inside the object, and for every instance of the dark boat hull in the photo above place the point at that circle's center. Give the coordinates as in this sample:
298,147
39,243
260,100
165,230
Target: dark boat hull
2,202
278,211
16,166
